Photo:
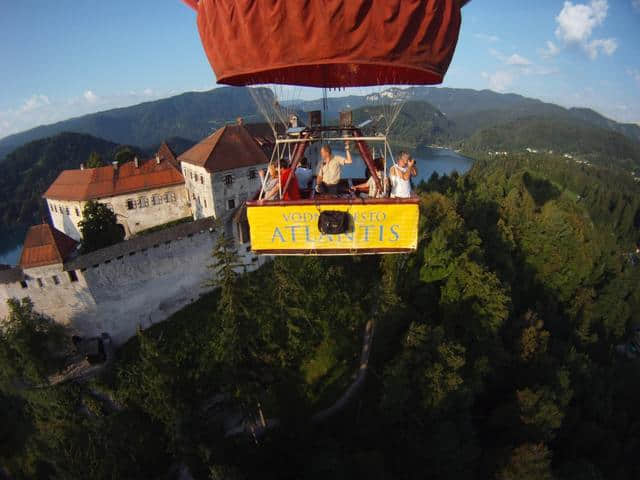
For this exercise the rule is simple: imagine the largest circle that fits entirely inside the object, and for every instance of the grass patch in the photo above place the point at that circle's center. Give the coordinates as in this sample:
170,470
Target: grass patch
330,370
162,226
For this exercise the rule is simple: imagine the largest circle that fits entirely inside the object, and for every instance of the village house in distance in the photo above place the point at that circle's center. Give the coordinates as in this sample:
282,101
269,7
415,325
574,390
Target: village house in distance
147,277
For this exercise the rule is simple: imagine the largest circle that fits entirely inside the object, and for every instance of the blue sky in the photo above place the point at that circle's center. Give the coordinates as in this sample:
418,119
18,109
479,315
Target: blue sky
70,57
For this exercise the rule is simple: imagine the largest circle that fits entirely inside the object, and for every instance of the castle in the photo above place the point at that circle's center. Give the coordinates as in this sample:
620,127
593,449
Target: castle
146,278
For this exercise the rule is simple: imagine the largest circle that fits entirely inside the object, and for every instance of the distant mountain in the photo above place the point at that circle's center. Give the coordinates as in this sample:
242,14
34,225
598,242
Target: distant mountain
561,135
194,115
28,171
461,104
418,124
191,115
472,110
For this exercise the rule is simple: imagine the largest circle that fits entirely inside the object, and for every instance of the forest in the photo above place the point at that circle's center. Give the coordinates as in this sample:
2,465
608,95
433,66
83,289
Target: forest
493,354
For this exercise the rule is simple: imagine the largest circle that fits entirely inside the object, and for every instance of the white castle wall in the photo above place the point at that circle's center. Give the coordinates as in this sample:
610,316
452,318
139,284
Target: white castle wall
210,194
136,288
134,220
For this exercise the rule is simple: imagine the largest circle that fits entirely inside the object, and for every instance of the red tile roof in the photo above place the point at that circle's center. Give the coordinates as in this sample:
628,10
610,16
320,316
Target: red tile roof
165,153
230,147
44,245
93,183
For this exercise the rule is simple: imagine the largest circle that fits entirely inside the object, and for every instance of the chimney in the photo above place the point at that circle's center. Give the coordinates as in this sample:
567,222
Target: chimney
82,166
157,159
239,121
115,165
136,162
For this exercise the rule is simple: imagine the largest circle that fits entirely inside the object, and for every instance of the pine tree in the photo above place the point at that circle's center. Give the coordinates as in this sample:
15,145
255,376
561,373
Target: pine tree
95,160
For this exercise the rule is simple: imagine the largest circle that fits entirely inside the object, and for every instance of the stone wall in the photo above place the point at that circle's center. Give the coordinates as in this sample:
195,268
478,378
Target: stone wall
245,183
197,183
215,194
135,283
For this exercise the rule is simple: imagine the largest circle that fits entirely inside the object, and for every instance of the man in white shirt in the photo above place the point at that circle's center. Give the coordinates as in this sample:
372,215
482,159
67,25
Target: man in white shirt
330,169
400,176
304,174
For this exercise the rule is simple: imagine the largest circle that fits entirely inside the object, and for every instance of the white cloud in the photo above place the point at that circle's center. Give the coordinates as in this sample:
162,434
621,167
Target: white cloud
90,97
499,81
576,22
489,38
515,59
42,110
519,60
575,26
603,45
34,102
551,49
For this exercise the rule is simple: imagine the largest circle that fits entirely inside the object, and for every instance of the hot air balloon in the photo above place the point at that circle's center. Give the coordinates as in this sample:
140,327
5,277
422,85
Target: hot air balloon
329,44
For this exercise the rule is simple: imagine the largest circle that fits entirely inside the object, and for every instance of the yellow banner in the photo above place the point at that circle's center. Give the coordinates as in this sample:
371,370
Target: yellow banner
295,227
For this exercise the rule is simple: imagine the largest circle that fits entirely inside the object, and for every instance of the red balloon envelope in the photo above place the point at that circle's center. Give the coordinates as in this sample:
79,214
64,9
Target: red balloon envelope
329,43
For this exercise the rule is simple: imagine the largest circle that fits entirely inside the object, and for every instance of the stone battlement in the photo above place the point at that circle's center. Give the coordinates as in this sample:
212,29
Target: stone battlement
134,283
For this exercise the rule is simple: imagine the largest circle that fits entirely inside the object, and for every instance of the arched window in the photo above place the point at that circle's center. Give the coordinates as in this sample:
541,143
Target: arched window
131,204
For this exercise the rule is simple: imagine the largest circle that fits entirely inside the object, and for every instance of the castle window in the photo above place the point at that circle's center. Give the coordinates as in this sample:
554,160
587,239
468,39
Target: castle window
156,199
39,280
77,212
53,207
231,204
170,197
23,283
143,202
252,173
55,279
205,203
201,179
73,276
131,204
194,195
228,179
67,211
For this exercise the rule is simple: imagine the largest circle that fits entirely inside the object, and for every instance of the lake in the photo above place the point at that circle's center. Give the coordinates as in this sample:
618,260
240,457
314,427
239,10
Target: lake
11,244
428,160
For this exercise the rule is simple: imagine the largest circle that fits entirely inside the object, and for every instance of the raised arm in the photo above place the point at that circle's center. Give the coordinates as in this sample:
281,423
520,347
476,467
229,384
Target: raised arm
413,170
347,150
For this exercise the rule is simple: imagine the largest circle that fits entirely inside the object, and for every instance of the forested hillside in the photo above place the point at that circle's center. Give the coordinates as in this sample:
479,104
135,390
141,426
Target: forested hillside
605,146
493,355
418,124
